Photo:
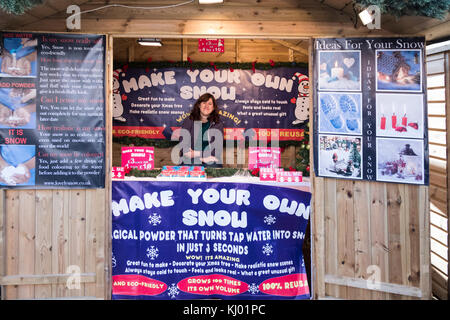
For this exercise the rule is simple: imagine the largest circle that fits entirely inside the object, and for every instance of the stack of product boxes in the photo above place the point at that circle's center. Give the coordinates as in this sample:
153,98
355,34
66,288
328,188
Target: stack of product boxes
183,172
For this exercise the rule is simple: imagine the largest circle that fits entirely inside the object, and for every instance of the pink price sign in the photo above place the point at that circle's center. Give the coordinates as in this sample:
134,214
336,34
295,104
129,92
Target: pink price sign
141,158
263,157
211,45
118,173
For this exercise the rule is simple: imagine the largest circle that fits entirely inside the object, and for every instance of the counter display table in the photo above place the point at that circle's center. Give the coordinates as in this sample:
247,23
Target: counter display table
196,238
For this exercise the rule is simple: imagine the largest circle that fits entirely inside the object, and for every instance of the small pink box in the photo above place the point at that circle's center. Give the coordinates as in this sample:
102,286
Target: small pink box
290,176
118,173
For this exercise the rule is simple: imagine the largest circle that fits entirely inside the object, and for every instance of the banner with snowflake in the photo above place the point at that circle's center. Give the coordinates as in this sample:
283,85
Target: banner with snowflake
202,240
152,102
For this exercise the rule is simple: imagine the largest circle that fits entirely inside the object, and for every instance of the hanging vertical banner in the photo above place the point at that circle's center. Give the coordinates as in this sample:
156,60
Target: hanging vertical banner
370,117
52,110
197,240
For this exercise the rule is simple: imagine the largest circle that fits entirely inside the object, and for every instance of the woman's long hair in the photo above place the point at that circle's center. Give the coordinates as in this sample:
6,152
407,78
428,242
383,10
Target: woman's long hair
195,112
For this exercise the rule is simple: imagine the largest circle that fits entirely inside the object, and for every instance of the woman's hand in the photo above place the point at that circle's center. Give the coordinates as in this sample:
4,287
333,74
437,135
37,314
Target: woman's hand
192,154
209,159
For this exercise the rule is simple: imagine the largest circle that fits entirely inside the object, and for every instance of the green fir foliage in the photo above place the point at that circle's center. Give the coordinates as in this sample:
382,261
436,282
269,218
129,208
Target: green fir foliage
18,7
428,8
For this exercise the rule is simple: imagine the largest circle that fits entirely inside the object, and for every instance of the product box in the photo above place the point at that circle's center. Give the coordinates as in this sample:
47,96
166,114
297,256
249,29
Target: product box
183,171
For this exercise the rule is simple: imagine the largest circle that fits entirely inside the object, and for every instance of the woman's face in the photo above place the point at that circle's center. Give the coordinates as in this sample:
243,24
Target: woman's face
206,108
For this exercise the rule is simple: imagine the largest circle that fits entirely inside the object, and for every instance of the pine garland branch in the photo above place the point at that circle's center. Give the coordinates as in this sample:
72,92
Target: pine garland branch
428,8
18,7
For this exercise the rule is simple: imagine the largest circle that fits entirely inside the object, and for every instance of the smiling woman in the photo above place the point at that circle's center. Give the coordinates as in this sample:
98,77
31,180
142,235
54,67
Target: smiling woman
201,135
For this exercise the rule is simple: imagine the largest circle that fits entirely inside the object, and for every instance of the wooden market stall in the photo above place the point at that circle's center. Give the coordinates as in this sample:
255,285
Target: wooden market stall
360,230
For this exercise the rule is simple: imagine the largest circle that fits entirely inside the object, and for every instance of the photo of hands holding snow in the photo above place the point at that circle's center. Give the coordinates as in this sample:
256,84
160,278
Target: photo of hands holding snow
18,57
17,108
17,165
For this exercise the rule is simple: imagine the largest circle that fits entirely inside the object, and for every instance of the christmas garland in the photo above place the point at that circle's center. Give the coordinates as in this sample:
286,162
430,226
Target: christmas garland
18,7
215,65
163,143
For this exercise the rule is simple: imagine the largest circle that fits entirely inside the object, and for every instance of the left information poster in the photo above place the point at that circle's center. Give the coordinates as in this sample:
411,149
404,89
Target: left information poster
52,110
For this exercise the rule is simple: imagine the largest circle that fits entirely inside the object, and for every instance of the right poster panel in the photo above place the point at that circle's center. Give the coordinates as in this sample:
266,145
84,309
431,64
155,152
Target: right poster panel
370,116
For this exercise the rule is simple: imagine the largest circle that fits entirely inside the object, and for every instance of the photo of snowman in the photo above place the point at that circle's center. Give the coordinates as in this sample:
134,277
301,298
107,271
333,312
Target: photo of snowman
302,101
117,98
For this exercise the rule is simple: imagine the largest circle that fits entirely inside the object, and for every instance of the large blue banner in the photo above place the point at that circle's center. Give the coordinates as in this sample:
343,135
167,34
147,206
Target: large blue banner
151,102
197,240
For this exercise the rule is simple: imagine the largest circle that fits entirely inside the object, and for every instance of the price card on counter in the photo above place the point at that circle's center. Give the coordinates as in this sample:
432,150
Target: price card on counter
141,158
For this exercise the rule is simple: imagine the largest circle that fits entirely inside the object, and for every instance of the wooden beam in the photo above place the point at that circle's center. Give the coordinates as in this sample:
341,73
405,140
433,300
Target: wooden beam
196,28
34,279
440,31
292,46
377,286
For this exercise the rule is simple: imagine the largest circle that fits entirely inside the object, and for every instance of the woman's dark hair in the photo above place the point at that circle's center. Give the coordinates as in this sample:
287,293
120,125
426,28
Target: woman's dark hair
195,112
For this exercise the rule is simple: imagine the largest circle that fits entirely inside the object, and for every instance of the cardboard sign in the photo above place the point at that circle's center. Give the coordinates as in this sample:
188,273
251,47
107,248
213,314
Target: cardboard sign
290,176
211,45
141,158
263,157
269,174
118,173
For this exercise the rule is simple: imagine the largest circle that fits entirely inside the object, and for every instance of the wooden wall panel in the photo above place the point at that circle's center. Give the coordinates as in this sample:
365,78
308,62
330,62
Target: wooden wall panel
49,235
372,231
438,97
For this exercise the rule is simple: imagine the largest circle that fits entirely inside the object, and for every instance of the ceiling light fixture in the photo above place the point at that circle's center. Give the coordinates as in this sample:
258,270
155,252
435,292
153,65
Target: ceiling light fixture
209,1
150,42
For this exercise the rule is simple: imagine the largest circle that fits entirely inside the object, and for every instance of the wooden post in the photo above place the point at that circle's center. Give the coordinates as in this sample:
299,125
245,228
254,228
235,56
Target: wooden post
2,240
184,49
105,283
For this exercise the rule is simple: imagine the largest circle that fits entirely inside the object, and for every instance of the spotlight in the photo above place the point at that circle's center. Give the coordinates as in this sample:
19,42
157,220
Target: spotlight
366,17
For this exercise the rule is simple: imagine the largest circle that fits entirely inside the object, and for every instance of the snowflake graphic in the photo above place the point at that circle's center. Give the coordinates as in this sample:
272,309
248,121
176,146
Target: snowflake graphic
154,219
270,219
253,288
152,252
173,291
267,249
